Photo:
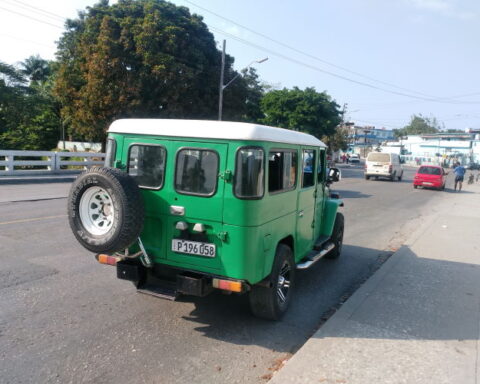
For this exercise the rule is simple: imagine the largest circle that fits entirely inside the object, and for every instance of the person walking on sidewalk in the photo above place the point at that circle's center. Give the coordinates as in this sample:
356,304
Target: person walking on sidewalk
459,174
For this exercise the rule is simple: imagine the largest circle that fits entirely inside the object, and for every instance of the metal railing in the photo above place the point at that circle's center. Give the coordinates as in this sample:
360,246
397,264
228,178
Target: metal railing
16,163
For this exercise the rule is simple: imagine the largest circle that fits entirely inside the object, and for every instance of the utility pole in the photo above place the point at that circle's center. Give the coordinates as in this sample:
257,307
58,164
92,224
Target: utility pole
220,88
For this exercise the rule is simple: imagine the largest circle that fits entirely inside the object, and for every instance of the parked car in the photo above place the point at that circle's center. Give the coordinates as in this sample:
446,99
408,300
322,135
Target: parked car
430,176
380,164
354,158
473,166
189,207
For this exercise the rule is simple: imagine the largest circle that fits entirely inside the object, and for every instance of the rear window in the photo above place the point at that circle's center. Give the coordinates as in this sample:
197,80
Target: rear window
429,171
308,167
378,156
146,164
196,172
249,173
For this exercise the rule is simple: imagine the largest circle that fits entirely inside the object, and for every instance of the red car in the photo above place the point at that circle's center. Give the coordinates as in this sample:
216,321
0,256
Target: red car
430,176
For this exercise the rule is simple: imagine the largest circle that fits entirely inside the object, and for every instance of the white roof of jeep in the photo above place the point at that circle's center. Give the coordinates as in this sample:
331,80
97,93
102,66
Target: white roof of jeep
211,129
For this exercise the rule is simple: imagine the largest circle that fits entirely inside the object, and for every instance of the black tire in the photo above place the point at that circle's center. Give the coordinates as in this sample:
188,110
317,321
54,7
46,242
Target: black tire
266,301
367,177
399,178
337,237
415,186
126,209
392,178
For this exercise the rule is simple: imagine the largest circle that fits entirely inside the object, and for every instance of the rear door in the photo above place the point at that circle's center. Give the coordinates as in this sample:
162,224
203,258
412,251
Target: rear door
195,215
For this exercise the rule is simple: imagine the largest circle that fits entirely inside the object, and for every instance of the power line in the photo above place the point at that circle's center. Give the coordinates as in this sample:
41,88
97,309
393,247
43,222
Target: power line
31,18
428,97
34,9
331,73
305,53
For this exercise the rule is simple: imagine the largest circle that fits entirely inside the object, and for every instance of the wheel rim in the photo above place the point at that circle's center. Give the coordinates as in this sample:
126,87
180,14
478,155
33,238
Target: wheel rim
96,211
283,284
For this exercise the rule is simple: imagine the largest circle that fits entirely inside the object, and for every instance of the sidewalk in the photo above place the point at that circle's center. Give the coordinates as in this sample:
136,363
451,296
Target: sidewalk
416,320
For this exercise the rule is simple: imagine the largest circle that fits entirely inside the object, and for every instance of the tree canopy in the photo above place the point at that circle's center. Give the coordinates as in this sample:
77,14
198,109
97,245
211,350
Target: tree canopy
302,110
141,58
418,125
29,116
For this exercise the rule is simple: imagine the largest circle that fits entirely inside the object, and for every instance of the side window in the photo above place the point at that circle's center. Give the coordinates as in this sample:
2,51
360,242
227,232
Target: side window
308,167
110,150
282,170
249,173
196,172
321,166
146,164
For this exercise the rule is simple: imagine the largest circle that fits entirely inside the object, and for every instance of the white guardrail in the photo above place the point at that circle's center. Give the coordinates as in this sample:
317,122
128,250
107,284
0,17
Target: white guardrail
17,163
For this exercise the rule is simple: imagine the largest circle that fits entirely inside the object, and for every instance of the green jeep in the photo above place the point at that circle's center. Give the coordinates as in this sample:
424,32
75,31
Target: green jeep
186,207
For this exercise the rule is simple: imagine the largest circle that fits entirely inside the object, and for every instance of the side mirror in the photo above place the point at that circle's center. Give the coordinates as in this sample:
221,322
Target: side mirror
333,175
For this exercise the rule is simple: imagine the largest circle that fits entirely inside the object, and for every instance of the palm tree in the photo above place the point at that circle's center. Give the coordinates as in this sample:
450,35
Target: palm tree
36,68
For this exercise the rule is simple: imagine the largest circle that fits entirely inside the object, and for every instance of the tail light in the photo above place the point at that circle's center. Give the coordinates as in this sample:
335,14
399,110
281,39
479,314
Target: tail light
390,168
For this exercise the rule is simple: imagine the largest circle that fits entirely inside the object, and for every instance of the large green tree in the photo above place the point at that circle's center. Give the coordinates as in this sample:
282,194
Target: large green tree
303,110
418,125
140,58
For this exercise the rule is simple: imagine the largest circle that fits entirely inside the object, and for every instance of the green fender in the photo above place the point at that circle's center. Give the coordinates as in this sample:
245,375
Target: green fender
329,214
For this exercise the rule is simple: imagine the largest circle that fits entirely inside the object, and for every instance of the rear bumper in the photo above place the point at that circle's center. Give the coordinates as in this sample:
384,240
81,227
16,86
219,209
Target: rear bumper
428,184
181,281
380,174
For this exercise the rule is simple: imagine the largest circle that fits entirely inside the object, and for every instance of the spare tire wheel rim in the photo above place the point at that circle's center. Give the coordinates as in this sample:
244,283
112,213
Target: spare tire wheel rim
96,211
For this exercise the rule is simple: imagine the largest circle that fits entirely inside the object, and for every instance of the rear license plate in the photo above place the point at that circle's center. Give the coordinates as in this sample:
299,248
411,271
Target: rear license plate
193,248
427,183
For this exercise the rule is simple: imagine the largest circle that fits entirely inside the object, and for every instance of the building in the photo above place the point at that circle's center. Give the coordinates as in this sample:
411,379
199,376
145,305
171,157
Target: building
441,148
367,138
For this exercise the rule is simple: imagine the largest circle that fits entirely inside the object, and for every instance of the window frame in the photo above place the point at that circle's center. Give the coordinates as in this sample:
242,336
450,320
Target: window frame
314,169
175,171
276,149
234,184
114,152
164,164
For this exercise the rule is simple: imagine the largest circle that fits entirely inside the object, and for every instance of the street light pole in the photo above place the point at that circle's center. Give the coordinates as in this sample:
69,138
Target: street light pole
221,88
222,73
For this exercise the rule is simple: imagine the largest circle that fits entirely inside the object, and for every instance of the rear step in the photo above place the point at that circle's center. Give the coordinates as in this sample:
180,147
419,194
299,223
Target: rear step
314,256
163,291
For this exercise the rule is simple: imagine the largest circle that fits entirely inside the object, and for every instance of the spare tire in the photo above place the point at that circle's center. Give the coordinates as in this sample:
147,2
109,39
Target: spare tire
105,210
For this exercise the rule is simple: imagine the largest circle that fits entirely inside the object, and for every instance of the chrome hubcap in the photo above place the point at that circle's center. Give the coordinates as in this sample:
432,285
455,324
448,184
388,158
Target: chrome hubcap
283,284
96,211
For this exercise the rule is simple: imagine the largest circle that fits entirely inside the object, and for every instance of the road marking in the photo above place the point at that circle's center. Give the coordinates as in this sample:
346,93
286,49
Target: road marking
31,219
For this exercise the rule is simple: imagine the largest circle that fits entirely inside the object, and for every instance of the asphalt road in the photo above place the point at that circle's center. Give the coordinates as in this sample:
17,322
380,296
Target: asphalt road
65,318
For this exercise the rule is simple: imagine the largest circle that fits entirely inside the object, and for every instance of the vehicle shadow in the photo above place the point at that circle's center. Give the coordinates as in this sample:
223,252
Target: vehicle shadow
348,194
318,292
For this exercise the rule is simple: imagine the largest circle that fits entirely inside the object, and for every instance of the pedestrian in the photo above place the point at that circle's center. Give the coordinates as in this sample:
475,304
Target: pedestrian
459,171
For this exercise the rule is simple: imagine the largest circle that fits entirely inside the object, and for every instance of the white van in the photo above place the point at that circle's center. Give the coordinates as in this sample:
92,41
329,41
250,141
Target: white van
379,164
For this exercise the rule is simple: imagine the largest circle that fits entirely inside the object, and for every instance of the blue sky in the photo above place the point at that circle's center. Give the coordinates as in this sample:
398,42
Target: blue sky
424,49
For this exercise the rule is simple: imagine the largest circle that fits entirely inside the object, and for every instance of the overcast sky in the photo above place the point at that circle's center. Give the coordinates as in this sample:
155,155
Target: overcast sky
386,59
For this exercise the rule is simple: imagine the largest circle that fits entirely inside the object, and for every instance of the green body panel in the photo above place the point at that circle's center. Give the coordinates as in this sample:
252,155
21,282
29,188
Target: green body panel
244,232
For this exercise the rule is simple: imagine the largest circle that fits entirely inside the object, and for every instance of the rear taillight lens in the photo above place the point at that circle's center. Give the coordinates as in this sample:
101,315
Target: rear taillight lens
390,168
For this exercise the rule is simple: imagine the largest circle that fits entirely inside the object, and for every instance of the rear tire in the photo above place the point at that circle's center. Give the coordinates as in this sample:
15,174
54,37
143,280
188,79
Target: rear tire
105,210
271,302
400,177
337,237
415,186
367,177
